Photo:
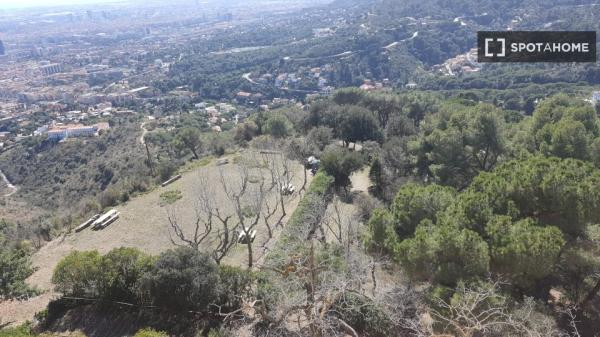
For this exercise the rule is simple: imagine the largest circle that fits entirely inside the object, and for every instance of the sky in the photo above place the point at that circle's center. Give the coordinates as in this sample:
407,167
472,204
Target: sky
39,3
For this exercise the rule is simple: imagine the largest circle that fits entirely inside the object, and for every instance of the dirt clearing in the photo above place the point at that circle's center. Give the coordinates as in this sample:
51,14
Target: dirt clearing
143,224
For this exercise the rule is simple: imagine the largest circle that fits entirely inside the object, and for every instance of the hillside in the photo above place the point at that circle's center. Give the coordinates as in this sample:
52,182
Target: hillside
69,174
143,224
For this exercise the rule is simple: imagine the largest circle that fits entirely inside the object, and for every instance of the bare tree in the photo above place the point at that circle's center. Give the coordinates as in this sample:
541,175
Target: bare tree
247,202
483,311
299,150
208,219
281,172
219,224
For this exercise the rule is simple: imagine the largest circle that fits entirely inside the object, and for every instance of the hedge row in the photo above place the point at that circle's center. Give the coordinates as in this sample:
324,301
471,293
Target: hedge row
309,212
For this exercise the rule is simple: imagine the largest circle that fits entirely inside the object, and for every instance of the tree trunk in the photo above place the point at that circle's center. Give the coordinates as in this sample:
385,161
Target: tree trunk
250,256
305,181
194,153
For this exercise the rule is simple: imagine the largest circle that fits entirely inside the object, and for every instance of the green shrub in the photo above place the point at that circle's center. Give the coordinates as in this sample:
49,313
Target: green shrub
444,254
79,274
183,279
236,283
170,197
114,276
150,333
15,267
122,270
363,315
278,126
340,164
21,331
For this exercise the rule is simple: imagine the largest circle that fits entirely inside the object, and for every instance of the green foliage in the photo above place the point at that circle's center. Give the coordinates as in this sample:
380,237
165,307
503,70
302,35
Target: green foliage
189,138
524,210
150,333
20,331
114,276
458,142
15,267
562,193
121,272
320,137
565,127
166,169
348,96
78,169
278,126
444,254
357,124
170,197
183,278
577,268
415,203
78,274
376,176
307,215
340,164
219,333
244,132
381,236
523,251
236,283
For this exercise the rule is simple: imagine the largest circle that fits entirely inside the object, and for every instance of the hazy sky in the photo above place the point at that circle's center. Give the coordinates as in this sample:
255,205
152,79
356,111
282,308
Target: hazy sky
34,3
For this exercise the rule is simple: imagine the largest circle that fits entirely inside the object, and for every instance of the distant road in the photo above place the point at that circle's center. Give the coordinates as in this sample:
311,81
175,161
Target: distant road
247,77
144,132
13,189
346,53
394,44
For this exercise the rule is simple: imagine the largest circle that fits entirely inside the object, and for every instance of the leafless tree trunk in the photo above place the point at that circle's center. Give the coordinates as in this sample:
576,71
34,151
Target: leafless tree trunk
208,216
484,310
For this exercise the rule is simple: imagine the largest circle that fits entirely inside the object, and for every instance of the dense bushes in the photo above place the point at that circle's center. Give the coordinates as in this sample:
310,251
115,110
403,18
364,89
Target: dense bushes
513,222
365,316
183,279
177,280
305,218
15,267
444,254
79,168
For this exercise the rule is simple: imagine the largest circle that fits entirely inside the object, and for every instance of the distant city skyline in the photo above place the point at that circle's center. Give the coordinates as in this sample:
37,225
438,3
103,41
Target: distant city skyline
8,4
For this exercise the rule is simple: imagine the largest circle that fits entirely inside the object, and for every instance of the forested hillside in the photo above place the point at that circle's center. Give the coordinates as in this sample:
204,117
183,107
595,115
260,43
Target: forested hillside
323,173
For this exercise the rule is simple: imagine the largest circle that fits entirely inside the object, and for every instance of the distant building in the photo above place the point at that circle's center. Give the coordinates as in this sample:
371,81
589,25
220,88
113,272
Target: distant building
53,68
243,94
596,97
60,132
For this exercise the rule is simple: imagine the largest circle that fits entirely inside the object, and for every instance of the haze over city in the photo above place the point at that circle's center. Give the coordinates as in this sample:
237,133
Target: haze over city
8,4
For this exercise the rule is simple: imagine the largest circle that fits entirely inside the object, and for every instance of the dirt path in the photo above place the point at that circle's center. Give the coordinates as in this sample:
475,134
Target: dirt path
143,224
12,188
144,132
247,77
360,180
